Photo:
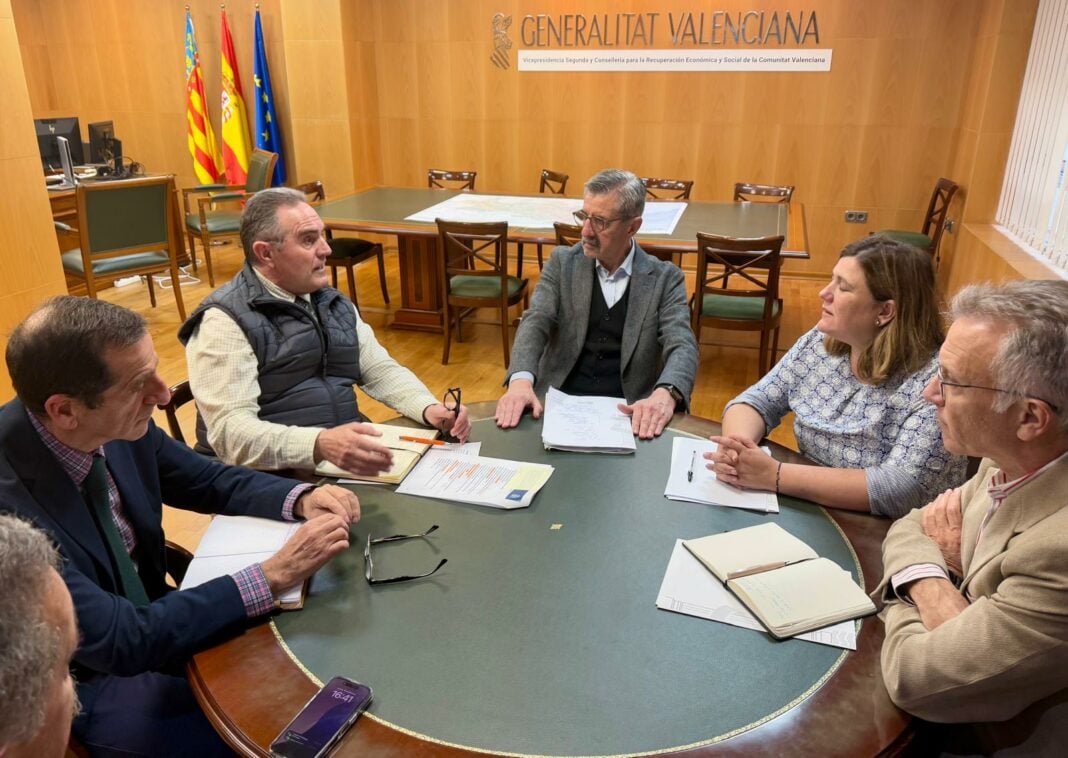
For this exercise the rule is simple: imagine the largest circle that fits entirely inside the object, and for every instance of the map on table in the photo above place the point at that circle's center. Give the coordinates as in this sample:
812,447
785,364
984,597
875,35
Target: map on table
537,212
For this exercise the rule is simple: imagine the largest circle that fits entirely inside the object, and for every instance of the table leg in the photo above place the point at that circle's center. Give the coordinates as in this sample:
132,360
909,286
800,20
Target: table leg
420,288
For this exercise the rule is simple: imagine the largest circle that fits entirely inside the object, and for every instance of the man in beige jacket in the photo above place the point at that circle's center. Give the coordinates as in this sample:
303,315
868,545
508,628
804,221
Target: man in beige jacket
976,583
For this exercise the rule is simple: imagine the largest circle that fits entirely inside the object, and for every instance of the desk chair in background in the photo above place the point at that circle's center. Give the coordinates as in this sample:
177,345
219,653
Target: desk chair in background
126,228
437,178
210,224
473,270
754,305
668,189
555,183
347,252
934,223
746,192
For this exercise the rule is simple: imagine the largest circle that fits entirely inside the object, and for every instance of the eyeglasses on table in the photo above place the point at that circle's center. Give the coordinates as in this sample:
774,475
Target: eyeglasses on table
369,567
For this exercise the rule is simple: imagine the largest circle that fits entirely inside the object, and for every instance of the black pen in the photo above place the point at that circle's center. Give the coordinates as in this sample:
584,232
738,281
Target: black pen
689,474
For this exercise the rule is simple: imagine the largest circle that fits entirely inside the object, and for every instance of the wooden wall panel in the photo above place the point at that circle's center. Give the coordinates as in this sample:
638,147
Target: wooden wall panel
29,255
872,134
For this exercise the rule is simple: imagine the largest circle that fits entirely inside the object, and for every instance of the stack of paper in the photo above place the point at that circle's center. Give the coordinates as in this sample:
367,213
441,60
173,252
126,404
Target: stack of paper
405,455
687,455
232,543
585,424
473,479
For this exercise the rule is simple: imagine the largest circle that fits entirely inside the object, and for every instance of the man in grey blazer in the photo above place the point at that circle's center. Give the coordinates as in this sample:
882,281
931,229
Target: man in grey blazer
606,319
976,583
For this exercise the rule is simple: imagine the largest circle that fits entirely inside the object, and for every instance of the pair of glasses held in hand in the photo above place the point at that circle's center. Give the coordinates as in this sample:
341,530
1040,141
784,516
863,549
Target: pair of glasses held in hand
452,405
369,566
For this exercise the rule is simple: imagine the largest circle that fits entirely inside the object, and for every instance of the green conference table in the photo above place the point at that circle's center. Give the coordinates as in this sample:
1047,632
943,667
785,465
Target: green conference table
540,636
383,210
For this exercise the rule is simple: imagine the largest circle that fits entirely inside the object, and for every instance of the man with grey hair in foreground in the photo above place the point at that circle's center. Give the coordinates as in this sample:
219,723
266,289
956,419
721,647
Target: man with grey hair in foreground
275,353
606,319
37,641
976,583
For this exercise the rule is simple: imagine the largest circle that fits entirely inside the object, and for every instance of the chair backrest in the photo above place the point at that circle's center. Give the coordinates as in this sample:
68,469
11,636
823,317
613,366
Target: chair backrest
126,217
313,191
553,181
737,267
436,178
181,394
934,223
260,170
567,235
746,192
473,249
668,189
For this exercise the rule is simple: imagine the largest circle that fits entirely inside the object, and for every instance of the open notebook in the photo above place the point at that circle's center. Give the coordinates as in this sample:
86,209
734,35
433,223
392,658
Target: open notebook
780,579
405,454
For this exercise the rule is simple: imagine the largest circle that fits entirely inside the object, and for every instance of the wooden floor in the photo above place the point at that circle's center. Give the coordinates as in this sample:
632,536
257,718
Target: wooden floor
728,360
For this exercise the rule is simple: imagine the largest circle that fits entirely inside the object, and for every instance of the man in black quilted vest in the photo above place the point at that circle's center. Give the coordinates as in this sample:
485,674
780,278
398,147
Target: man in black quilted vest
275,353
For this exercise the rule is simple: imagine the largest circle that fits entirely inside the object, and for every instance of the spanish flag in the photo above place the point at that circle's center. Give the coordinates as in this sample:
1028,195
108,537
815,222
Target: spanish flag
235,140
201,137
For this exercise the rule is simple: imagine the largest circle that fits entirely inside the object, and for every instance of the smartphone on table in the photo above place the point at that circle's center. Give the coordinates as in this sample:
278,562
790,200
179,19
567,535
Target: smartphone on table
323,719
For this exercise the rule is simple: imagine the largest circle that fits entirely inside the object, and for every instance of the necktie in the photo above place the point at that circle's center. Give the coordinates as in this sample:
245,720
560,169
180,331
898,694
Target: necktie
96,492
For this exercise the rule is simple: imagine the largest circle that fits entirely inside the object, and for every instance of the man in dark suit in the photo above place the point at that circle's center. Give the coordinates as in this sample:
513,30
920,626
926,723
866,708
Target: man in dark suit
81,458
606,319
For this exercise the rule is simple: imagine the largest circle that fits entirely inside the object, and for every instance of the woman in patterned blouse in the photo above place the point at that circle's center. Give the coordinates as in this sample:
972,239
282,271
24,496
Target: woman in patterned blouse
854,383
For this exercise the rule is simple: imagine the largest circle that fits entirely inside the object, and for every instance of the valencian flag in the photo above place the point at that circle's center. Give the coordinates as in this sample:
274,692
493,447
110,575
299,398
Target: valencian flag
202,145
235,149
267,136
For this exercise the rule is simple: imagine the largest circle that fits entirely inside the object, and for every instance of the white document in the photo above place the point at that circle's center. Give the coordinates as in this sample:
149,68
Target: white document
585,424
705,487
690,588
463,478
232,543
662,216
525,212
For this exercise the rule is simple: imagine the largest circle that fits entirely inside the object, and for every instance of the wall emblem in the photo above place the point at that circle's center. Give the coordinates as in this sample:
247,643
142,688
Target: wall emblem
501,43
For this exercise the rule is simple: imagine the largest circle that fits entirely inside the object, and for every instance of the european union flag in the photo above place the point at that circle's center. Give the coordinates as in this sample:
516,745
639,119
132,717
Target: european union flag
267,134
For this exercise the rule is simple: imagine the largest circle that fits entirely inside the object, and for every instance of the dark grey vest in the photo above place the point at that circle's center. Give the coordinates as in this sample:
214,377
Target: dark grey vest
306,369
597,370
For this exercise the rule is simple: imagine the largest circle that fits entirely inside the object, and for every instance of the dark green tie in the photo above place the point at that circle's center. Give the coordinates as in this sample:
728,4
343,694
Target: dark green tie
96,492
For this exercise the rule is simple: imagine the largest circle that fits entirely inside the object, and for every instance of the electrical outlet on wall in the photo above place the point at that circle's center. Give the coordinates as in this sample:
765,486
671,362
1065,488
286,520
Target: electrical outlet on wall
856,217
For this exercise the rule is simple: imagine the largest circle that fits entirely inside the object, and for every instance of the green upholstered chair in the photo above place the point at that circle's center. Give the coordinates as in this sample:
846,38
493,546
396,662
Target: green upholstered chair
751,302
747,192
554,183
667,189
347,252
473,271
934,223
437,178
208,222
126,228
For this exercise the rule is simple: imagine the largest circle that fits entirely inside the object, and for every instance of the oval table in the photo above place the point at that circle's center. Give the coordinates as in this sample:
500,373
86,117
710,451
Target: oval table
540,636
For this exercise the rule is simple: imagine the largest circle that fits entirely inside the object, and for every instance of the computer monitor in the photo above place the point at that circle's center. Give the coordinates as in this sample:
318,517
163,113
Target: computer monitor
47,131
101,134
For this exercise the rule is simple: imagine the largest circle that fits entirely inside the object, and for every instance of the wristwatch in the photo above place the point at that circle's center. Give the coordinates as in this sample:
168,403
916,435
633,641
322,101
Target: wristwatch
676,394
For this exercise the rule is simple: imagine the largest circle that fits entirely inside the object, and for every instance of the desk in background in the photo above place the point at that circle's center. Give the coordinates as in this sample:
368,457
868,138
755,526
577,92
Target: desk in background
383,210
535,640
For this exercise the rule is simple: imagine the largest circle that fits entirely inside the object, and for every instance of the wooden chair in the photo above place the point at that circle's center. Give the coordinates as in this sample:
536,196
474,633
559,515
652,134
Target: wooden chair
347,252
126,228
473,270
934,223
753,306
208,223
181,394
436,178
567,235
669,189
553,183
745,192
